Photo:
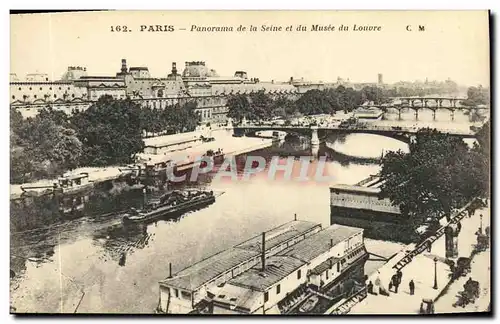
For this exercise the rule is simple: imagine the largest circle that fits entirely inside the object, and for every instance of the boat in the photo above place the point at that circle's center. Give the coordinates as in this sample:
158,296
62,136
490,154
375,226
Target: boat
170,204
309,304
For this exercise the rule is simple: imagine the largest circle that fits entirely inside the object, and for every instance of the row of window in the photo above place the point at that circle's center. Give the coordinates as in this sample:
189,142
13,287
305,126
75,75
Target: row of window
50,88
366,201
35,96
354,253
183,294
278,287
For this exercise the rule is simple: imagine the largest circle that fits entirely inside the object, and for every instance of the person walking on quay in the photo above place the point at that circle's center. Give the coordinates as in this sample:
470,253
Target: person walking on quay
394,283
400,276
412,287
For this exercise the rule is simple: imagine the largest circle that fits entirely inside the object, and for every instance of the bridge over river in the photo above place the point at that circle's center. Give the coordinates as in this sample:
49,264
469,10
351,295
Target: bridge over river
396,131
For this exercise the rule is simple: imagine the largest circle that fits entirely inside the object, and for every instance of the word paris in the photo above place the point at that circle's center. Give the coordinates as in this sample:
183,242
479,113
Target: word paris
303,169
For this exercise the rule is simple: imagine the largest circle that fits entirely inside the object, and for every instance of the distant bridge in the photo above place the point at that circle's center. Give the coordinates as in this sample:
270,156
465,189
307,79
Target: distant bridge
437,100
411,105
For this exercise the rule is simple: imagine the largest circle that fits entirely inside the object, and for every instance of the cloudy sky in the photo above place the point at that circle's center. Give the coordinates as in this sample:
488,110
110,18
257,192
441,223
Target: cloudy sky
454,44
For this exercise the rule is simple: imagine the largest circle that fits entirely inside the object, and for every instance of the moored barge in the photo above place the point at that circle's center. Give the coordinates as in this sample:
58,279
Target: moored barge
294,268
170,204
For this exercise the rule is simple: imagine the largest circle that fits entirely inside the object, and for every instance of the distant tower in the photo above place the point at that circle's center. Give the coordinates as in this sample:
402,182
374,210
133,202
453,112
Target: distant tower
380,78
174,68
124,66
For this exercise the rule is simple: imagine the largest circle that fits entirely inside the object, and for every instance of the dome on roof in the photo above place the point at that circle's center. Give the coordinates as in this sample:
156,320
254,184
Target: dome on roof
198,70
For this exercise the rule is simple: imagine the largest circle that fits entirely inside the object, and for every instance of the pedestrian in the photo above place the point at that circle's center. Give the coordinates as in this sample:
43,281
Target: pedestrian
412,287
370,288
400,276
394,283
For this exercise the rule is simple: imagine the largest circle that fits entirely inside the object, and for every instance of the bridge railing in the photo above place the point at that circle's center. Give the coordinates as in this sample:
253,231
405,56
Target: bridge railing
405,129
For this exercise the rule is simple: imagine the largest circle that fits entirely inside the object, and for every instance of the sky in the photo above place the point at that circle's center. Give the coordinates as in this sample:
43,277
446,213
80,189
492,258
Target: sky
455,44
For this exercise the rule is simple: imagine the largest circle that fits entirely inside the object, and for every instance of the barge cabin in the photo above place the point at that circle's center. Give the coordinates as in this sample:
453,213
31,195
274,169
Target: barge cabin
301,262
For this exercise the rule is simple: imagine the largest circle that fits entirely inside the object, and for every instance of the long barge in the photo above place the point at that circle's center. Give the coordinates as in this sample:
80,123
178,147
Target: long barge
296,268
170,205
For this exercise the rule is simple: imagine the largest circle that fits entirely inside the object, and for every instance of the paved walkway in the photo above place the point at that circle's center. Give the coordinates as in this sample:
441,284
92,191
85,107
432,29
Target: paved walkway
421,270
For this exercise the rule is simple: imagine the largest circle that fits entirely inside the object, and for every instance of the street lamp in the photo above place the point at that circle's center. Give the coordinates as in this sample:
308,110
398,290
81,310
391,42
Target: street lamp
435,273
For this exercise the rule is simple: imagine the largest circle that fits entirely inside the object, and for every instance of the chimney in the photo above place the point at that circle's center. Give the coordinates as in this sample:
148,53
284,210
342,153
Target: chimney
170,269
174,68
331,258
295,217
263,256
124,66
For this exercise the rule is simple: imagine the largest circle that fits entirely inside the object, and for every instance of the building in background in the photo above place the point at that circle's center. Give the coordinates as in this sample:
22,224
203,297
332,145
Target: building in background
76,90
380,79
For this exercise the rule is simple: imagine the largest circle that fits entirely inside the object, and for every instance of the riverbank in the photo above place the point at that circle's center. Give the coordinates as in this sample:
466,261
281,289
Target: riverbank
223,139
95,175
421,271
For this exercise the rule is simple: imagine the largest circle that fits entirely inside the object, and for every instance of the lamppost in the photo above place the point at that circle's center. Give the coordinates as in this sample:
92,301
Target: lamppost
481,223
435,273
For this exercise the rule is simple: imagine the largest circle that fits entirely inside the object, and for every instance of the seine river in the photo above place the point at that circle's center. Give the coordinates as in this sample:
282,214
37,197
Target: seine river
91,263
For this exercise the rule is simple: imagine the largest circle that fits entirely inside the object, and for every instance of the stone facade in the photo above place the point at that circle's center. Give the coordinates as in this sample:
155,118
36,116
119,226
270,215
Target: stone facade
77,91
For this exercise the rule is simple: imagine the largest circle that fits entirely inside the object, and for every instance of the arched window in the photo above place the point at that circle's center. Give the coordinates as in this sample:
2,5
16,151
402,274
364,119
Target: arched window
55,96
13,97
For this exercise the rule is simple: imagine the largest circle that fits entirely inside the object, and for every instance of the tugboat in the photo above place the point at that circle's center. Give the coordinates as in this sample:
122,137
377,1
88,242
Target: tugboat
172,203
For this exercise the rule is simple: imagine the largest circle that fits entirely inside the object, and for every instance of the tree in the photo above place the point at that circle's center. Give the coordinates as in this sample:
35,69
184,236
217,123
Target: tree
40,147
477,96
482,157
260,106
110,130
239,107
315,102
183,118
431,180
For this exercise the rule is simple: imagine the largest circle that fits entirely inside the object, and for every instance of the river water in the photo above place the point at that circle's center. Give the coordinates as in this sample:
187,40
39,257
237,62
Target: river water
91,263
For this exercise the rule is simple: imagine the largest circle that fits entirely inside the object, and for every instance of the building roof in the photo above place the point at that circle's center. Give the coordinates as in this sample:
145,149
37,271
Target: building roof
277,268
278,235
320,268
242,299
138,68
319,243
207,269
210,268
355,189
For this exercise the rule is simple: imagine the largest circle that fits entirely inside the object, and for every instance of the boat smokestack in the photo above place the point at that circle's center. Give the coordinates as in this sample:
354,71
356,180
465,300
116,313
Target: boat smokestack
170,269
263,256
331,258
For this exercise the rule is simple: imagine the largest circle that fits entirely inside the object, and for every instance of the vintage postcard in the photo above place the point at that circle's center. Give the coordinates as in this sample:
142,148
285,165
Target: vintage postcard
250,162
